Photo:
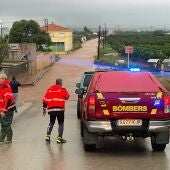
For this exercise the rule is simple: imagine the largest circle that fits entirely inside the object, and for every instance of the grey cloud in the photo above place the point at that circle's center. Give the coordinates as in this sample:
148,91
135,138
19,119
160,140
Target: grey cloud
84,12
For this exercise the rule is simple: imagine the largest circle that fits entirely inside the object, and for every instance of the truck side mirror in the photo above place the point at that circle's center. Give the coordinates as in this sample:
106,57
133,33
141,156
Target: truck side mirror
79,91
78,85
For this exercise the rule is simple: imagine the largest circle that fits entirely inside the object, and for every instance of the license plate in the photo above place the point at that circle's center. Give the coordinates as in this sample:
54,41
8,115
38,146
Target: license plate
129,122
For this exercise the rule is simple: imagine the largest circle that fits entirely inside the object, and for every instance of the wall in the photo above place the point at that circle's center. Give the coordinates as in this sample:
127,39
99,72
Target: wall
16,68
44,60
28,68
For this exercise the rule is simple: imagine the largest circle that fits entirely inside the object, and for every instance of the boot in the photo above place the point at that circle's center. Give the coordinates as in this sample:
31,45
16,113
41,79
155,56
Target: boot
47,139
61,140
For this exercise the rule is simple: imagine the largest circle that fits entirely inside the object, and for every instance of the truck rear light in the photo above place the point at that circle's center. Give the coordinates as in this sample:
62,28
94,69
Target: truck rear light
167,100
91,104
166,104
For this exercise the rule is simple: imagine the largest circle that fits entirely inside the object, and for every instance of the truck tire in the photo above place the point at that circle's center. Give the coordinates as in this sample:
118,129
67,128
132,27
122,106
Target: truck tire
81,129
89,147
78,109
157,147
89,141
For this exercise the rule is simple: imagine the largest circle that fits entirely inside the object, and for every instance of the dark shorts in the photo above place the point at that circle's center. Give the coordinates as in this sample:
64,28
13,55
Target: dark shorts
59,115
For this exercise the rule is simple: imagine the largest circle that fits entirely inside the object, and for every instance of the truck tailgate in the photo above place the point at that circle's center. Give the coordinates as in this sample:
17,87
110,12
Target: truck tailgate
130,105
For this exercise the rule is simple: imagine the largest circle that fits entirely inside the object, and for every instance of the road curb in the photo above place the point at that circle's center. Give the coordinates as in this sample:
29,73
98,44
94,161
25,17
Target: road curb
37,78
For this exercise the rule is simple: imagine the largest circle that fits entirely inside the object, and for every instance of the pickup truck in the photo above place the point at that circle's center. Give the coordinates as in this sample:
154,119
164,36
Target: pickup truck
126,105
84,83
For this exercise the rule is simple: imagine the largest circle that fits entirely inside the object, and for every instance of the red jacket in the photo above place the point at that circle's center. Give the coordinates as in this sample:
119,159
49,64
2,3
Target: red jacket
7,102
54,99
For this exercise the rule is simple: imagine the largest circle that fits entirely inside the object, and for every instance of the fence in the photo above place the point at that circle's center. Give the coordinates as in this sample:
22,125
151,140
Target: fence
15,68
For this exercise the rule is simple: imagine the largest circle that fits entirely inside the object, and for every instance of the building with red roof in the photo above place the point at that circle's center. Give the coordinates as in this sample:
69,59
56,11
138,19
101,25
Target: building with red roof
61,37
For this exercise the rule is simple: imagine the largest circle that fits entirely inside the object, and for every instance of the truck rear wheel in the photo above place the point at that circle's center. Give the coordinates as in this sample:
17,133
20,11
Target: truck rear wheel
89,141
89,147
157,147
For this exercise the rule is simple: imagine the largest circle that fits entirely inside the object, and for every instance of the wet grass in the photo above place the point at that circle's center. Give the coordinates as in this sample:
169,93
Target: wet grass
166,83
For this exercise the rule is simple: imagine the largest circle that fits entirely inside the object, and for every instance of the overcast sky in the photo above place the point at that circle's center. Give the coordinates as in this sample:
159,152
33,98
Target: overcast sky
89,12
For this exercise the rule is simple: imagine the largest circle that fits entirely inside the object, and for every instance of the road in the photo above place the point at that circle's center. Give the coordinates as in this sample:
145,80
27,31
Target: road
69,68
30,152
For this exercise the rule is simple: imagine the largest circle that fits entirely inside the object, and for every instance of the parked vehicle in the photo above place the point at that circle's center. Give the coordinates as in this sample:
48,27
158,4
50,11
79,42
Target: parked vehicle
57,58
166,65
126,105
82,86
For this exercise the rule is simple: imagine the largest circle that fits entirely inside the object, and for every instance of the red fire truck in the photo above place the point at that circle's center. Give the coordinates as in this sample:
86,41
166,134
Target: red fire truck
126,105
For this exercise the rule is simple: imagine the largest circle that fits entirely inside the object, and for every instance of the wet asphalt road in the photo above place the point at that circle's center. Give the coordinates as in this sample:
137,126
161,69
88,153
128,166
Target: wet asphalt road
29,151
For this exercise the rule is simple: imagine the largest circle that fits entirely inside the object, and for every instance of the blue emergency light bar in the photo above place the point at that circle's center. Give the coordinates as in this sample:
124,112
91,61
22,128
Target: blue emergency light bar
157,102
135,69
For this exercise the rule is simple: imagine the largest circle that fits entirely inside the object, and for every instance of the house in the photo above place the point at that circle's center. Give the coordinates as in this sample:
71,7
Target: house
155,64
21,51
61,37
166,64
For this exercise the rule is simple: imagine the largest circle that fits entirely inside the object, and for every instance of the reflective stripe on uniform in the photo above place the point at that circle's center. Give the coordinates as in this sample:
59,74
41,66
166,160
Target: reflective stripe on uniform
11,106
54,99
55,109
2,109
54,91
8,94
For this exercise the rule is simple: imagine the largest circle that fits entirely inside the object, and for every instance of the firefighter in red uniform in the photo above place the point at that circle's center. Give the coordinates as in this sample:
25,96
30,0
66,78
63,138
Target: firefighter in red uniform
54,104
7,107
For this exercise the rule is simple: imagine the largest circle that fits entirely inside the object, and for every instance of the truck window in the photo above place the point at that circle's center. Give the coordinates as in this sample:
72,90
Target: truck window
87,80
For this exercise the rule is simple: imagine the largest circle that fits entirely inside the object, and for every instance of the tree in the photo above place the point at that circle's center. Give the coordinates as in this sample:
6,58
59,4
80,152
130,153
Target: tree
87,30
146,45
28,32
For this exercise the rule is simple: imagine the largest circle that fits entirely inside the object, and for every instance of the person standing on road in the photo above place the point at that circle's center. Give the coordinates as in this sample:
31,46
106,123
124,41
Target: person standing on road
14,86
7,107
54,104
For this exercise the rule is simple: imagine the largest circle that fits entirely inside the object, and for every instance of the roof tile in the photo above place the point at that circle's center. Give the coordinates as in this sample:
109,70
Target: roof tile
53,27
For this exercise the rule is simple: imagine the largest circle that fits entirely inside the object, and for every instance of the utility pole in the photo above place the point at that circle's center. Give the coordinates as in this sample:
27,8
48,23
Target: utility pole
46,25
99,35
118,28
151,29
1,31
1,28
105,35
164,29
